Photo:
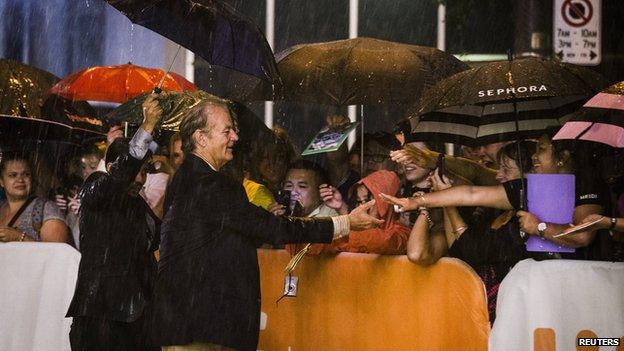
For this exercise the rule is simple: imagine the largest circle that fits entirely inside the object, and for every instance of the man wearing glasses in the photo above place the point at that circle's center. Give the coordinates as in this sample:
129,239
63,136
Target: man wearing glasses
377,149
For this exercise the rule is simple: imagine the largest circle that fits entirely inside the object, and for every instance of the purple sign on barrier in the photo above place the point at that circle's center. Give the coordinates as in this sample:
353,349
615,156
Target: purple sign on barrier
551,197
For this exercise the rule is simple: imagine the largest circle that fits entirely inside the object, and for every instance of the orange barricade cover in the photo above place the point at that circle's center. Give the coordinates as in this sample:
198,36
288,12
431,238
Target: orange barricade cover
372,302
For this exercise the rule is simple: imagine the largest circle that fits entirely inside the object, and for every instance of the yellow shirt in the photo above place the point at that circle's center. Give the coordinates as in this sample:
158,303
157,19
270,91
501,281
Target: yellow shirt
258,194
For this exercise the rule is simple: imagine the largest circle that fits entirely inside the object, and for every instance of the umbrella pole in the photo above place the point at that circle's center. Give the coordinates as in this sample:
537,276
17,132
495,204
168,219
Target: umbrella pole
158,88
518,149
125,129
362,141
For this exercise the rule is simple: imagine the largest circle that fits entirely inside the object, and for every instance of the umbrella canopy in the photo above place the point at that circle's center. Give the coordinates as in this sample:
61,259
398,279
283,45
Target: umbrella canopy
601,119
176,104
23,88
482,105
234,46
79,115
14,129
117,83
28,112
362,71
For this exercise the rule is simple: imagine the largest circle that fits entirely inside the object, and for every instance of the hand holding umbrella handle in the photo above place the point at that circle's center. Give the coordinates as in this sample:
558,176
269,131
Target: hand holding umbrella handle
152,113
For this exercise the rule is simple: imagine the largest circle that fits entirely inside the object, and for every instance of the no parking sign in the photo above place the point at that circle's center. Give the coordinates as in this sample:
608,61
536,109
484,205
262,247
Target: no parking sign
577,32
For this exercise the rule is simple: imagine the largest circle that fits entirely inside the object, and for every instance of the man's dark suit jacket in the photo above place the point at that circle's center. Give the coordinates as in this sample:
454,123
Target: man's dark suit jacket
208,287
117,269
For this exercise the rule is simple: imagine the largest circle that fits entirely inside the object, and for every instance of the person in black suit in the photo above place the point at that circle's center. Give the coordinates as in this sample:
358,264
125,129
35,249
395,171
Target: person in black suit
118,234
207,295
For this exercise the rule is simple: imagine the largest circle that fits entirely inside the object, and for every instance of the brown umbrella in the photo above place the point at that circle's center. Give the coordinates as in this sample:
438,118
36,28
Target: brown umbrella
362,71
23,88
23,94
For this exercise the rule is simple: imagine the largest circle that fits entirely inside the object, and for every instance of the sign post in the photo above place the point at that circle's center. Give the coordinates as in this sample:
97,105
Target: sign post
577,31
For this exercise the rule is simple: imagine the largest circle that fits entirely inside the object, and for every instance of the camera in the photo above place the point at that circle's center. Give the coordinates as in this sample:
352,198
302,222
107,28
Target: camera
283,198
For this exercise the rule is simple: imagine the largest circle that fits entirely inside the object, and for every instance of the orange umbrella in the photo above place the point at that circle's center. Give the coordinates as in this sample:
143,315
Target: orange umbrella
117,83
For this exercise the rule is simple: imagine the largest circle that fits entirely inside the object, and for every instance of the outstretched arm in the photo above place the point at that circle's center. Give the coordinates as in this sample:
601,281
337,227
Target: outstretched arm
463,195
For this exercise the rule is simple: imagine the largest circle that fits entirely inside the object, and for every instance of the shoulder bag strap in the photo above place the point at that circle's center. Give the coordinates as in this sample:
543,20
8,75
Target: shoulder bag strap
20,211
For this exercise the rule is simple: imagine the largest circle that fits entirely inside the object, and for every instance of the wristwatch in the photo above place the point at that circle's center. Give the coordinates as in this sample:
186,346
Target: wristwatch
541,229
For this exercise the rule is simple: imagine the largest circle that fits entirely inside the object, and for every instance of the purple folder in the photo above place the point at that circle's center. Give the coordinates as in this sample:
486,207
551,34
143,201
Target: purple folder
551,197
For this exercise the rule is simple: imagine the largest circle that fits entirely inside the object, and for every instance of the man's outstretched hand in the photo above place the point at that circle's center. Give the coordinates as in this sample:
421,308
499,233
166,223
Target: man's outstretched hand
359,219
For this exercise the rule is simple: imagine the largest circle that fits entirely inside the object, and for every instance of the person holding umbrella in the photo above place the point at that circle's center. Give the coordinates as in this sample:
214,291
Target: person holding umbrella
117,240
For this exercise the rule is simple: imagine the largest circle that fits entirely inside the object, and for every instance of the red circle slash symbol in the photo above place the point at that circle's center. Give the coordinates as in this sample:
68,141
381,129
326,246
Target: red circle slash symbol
577,13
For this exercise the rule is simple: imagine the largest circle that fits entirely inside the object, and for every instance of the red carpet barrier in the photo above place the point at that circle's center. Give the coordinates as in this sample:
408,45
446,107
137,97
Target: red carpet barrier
372,302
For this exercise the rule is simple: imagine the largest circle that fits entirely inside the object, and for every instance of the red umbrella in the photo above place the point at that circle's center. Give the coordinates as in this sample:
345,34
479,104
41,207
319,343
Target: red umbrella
117,83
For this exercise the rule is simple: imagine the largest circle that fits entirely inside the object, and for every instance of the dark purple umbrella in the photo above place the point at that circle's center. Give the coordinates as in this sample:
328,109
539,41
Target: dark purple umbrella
232,44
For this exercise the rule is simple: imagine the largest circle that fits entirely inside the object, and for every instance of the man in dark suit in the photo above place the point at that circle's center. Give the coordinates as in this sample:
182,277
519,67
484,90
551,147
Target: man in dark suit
117,237
207,295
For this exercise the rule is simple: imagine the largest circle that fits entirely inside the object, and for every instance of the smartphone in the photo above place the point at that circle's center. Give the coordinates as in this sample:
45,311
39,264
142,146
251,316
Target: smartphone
283,198
441,166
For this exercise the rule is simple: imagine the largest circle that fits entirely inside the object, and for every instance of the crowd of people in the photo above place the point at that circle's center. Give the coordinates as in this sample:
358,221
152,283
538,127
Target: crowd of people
168,234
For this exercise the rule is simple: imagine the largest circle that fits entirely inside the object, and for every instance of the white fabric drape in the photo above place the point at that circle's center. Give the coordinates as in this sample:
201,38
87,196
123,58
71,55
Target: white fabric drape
37,282
558,299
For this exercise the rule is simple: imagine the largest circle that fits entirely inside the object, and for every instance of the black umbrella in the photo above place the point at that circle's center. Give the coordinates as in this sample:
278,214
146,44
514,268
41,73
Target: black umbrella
79,115
502,101
14,129
235,48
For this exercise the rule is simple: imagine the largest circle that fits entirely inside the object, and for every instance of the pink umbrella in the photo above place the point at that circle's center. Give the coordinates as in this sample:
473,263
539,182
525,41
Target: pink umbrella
600,120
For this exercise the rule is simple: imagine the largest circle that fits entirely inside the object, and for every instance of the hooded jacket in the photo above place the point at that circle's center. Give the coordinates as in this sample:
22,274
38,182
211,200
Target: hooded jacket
389,239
